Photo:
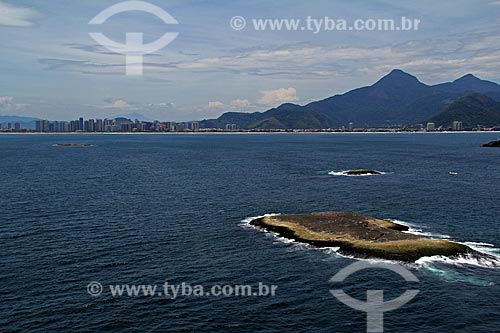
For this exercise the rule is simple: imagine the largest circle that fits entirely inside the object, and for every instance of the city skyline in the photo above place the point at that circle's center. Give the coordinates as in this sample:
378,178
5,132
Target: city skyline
122,124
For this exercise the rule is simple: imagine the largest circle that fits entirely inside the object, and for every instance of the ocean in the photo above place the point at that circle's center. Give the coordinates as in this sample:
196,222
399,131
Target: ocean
150,209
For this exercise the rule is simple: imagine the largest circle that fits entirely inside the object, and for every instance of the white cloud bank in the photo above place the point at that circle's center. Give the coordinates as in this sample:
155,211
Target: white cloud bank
236,104
241,103
278,96
5,101
216,105
8,105
118,104
16,16
269,98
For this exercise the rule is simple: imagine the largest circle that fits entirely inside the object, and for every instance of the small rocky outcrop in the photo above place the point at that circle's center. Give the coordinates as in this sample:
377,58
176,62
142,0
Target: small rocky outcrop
492,144
72,145
362,172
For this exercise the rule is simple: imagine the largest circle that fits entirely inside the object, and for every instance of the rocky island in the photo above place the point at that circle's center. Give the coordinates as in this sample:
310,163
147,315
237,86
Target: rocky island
358,235
492,144
362,172
72,145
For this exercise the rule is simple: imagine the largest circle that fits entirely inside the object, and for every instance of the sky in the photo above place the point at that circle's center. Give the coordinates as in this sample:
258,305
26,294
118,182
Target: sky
51,68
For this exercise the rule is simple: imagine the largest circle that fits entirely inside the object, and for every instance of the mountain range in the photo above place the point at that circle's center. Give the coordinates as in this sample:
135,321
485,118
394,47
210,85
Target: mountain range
472,110
397,99
134,116
26,122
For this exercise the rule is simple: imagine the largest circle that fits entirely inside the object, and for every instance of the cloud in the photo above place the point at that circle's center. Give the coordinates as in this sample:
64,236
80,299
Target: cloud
292,62
234,104
7,104
161,105
5,101
98,67
241,103
16,16
117,104
278,96
132,109
216,105
121,103
482,43
101,50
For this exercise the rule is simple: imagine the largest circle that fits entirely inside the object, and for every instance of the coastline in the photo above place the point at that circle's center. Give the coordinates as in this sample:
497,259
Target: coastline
244,133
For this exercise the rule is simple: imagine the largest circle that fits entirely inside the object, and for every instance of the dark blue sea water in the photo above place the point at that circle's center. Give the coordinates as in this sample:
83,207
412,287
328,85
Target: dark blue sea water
147,209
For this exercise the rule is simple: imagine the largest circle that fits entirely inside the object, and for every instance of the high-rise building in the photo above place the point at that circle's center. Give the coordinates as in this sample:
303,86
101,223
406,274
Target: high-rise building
39,126
351,126
62,126
81,124
457,126
99,125
180,127
108,125
74,125
17,126
170,126
194,126
431,127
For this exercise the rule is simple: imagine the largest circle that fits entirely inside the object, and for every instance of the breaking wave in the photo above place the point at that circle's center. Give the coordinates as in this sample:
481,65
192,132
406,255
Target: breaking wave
418,230
487,256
